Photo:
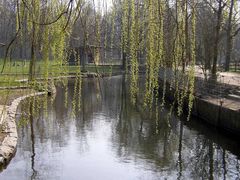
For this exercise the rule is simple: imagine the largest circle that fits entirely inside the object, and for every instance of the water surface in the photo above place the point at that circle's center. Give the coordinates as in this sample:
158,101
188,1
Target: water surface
112,140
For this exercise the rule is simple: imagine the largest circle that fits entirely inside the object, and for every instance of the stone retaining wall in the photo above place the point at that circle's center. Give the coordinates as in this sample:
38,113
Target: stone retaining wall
9,144
219,116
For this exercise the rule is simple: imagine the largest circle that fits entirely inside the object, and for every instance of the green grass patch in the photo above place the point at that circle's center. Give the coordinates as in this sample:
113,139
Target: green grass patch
19,69
7,96
234,70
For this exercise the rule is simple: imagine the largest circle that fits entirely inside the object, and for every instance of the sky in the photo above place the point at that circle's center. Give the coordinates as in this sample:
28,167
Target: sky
103,3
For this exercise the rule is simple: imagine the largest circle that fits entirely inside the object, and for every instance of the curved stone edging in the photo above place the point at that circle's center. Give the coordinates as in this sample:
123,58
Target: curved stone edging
9,144
14,87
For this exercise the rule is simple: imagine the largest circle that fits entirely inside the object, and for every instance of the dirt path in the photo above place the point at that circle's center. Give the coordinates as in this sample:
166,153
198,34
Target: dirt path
231,78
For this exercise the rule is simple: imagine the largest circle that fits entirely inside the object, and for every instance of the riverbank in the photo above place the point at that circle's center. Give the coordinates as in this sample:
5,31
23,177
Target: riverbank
217,103
211,105
9,102
9,128
110,137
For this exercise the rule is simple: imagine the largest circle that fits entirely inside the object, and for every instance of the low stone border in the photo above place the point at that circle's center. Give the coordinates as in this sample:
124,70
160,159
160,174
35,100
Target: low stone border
9,144
14,87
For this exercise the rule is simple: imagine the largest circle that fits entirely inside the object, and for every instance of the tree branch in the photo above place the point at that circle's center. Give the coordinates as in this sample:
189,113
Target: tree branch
236,32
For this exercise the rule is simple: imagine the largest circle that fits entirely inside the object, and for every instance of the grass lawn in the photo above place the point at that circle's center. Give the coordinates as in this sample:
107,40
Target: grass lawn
18,69
22,67
7,96
235,71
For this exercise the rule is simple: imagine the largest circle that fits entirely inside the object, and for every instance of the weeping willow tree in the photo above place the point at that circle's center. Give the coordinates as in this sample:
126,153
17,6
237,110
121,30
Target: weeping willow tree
133,53
124,32
184,54
149,37
144,29
97,33
48,26
155,54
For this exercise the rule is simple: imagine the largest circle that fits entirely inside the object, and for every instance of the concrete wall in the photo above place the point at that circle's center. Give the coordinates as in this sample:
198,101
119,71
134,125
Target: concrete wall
220,117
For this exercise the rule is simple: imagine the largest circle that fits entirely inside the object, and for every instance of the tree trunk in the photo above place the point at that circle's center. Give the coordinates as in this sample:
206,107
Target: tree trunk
84,54
187,57
217,39
33,55
229,38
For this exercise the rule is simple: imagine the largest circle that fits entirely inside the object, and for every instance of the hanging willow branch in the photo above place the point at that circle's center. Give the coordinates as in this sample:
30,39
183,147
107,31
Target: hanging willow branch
133,54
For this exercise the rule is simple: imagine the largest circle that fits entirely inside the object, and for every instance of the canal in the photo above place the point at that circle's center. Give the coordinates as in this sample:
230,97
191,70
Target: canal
110,139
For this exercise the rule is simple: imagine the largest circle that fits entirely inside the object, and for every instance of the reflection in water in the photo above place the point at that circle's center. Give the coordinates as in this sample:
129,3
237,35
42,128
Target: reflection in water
111,139
180,151
34,172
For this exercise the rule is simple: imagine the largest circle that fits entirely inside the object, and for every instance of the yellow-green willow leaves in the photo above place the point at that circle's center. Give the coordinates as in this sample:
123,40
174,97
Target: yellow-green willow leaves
113,16
133,55
193,58
97,49
125,19
155,49
147,35
47,28
144,37
76,103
